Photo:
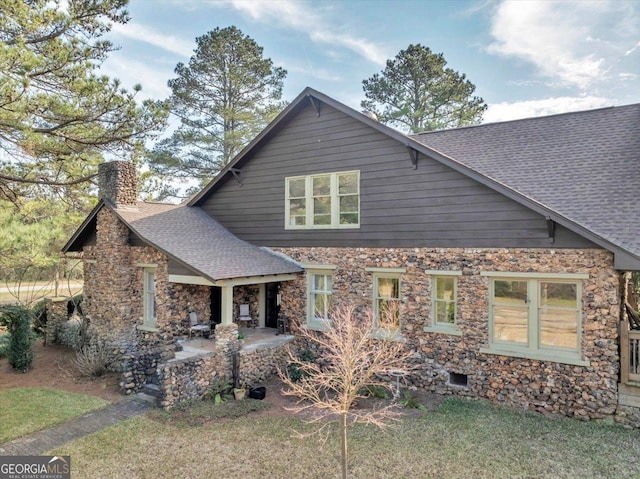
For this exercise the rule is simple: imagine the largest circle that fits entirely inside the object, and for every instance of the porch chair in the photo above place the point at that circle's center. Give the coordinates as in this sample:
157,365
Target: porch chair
245,316
196,326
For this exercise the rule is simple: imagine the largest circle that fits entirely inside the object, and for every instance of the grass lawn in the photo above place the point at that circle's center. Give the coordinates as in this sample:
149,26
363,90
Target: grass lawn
26,410
460,440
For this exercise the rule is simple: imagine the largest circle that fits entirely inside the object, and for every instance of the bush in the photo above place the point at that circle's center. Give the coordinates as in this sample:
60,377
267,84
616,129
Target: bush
294,371
4,345
71,334
93,360
18,320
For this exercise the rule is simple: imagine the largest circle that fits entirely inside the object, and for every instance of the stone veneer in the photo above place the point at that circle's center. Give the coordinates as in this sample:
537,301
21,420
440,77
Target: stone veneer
57,315
113,301
586,392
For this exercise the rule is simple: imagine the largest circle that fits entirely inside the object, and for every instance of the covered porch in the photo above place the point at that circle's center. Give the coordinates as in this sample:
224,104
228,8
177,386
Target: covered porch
260,296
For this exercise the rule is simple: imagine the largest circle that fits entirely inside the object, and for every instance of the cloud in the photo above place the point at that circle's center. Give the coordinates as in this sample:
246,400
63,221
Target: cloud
575,42
632,49
306,20
506,111
142,33
131,72
317,73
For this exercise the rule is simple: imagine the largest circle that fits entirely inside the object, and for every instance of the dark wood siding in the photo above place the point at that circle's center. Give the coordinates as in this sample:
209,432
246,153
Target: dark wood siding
431,206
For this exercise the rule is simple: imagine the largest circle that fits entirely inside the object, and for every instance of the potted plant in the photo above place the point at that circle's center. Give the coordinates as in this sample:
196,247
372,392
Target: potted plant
239,393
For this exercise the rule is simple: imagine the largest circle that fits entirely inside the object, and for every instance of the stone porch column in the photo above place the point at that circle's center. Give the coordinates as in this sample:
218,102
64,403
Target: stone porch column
56,315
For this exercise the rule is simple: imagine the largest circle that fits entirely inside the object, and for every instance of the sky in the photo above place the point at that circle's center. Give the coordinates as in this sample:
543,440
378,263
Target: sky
526,58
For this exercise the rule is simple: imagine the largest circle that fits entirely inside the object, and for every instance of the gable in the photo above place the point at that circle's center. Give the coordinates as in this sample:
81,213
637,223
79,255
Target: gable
429,206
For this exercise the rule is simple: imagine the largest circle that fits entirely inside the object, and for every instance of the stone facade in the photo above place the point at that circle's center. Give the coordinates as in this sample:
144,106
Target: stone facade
586,392
57,315
118,182
113,302
257,365
187,379
247,294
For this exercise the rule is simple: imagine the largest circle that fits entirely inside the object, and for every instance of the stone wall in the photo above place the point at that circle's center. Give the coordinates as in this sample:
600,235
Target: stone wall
257,365
247,294
553,387
118,182
113,300
186,379
57,315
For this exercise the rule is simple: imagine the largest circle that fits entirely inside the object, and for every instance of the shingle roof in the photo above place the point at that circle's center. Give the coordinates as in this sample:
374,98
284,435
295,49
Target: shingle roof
194,238
585,166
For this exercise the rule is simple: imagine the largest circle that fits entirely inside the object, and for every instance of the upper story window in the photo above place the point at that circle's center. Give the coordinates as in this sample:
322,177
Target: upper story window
330,200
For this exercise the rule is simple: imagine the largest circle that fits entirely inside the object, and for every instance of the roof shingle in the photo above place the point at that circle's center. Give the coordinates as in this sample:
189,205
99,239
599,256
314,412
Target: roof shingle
193,237
585,166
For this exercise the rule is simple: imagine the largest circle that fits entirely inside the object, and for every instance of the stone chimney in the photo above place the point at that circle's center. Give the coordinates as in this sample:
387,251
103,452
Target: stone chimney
118,183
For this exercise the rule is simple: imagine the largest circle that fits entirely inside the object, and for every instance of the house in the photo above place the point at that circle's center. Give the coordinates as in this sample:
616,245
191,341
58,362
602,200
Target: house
505,246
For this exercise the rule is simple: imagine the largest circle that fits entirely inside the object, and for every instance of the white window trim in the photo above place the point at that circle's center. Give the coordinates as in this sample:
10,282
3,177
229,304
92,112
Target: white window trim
435,327
335,202
312,321
149,323
533,350
395,273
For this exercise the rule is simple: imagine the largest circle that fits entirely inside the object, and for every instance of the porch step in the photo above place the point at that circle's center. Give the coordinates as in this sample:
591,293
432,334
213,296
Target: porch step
151,390
147,398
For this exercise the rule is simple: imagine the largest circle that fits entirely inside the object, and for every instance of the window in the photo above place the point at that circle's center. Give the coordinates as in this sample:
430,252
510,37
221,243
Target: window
386,301
444,297
320,296
329,200
539,317
149,300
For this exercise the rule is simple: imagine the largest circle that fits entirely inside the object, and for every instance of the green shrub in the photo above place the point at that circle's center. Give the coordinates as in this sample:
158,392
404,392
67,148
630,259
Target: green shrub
71,334
294,371
18,320
376,391
4,345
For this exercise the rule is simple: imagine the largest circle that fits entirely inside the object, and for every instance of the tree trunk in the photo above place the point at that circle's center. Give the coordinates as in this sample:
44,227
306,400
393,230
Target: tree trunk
343,426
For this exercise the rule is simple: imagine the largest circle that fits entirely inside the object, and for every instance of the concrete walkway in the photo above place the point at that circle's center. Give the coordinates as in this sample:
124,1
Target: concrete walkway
40,442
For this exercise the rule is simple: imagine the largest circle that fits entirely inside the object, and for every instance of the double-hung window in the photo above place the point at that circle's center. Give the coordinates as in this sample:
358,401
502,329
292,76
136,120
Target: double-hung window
537,317
386,298
320,295
330,200
444,298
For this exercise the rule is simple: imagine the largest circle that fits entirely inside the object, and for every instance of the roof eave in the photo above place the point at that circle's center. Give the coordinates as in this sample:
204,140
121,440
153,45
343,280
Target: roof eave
83,226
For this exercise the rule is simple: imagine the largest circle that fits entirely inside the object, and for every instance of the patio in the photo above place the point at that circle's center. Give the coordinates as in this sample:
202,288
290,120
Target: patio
253,339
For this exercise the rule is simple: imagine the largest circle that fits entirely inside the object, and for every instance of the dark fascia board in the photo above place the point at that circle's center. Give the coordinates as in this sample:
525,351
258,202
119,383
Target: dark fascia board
427,151
81,229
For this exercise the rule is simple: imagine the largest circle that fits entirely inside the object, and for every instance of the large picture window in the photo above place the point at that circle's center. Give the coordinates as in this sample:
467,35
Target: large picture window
330,200
539,317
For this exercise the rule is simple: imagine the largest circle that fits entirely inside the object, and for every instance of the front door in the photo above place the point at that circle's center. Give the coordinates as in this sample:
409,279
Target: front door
216,306
272,308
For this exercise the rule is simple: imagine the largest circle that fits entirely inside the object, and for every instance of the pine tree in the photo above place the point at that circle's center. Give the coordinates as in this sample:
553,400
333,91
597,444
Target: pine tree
415,92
